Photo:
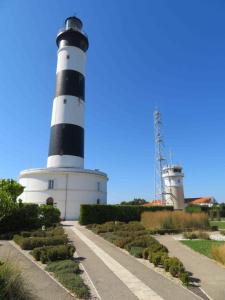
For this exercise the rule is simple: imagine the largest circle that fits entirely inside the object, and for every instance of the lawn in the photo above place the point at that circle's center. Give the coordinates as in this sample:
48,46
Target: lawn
202,246
220,224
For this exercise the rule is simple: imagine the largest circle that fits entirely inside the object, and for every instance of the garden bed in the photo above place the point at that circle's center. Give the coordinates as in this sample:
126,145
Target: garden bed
52,248
134,238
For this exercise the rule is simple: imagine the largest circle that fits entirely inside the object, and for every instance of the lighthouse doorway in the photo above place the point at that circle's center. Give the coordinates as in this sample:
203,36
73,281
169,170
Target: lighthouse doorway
50,201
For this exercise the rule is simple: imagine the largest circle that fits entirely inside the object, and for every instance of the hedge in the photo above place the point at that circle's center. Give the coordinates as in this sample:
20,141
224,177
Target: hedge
29,216
21,218
53,253
30,243
193,208
90,214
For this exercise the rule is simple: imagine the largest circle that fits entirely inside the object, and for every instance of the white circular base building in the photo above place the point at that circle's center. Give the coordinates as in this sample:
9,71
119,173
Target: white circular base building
65,188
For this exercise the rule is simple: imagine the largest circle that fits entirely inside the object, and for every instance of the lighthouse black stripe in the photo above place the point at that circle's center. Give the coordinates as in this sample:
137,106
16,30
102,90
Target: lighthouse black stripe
66,139
72,38
70,82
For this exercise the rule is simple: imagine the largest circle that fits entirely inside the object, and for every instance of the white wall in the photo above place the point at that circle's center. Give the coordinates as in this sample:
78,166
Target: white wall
71,189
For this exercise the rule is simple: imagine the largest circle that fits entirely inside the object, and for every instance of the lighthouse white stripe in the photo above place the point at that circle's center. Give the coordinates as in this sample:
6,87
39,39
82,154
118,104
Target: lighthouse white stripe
71,58
68,109
65,161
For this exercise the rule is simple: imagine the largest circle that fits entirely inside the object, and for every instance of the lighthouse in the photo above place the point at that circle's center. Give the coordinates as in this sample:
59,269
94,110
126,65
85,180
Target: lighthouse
65,183
66,147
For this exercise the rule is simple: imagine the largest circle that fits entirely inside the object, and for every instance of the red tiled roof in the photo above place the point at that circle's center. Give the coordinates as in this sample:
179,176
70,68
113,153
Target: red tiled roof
153,203
201,200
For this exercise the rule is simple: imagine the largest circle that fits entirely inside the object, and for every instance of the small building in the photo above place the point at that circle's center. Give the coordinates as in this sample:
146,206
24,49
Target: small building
206,201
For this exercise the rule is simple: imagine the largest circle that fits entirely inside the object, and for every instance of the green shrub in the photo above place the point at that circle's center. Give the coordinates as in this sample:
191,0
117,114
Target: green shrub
185,278
155,247
176,267
143,242
30,243
28,216
136,251
75,284
214,228
12,285
203,235
90,214
53,253
23,217
190,235
193,208
122,242
48,232
196,235
157,258
145,253
109,236
167,263
7,235
17,239
63,266
49,215
67,272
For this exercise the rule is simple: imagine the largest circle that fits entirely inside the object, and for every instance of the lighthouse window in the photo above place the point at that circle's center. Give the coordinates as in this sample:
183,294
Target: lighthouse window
64,101
68,57
98,186
51,184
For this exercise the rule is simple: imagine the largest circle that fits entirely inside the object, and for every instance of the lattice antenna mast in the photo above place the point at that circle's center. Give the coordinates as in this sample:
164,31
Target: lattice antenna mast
159,157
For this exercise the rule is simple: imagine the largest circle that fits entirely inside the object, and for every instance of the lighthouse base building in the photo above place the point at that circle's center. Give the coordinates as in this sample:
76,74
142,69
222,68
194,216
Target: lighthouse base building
65,183
65,188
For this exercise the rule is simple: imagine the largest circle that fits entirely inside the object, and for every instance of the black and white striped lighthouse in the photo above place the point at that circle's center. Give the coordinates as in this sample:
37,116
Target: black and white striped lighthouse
65,183
66,149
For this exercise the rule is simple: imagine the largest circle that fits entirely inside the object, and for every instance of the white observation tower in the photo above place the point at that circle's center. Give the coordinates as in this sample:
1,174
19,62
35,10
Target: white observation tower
173,186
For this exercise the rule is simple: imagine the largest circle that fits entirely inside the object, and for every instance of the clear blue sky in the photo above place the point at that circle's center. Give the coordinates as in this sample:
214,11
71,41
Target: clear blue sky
143,54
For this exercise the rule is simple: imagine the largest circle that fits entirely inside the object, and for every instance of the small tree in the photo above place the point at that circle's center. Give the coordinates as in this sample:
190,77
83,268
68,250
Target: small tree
6,204
135,201
11,187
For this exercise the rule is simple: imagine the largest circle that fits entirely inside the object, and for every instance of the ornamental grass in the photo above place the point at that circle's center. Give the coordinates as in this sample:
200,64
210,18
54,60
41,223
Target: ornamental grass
218,253
12,284
176,220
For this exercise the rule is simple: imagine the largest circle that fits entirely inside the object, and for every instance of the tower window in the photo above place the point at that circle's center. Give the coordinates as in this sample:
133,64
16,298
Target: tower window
67,57
64,101
51,184
98,186
98,201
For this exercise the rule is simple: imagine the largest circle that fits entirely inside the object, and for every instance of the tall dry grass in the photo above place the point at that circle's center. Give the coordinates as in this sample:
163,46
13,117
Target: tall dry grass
218,253
12,285
174,220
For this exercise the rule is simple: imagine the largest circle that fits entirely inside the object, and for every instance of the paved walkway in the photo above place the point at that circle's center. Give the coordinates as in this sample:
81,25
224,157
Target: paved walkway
117,275
211,274
37,280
